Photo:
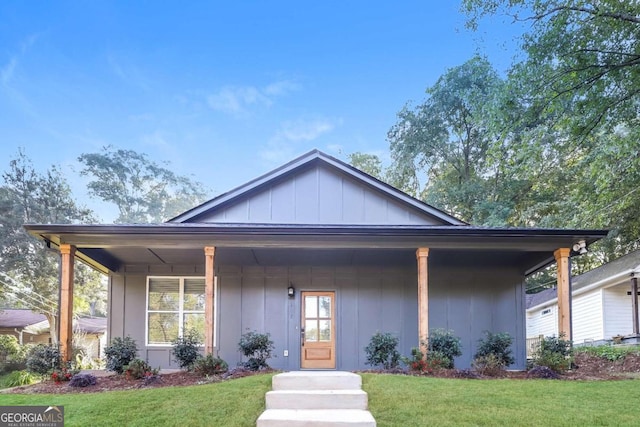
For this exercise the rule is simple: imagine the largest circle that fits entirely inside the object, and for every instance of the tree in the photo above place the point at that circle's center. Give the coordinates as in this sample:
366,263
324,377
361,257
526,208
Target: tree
582,58
368,163
142,190
30,272
446,141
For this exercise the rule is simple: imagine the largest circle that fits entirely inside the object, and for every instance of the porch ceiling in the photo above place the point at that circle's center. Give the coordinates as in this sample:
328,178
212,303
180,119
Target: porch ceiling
107,247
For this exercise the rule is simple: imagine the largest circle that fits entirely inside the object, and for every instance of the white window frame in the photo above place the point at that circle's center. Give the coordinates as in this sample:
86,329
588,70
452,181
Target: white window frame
181,312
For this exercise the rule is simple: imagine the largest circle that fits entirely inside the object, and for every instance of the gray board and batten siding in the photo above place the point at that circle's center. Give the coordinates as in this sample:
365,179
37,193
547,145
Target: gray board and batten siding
376,295
319,193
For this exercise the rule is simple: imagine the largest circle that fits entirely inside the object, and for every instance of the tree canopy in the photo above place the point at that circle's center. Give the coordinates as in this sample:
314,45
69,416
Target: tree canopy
582,58
142,190
30,272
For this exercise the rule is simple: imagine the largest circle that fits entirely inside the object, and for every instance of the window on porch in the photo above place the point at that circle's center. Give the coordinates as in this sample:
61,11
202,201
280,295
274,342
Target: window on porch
174,305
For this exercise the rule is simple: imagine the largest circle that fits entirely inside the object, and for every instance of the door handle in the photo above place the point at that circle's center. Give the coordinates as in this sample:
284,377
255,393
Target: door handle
302,336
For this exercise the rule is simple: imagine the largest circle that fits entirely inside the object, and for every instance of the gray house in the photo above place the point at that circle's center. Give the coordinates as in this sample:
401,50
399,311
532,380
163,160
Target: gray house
321,256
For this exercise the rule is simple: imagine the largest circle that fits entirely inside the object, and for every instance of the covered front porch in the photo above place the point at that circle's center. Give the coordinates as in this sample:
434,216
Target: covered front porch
403,280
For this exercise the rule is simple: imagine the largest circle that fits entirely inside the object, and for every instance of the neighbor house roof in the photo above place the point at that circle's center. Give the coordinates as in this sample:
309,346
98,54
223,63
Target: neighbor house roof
25,318
611,273
19,318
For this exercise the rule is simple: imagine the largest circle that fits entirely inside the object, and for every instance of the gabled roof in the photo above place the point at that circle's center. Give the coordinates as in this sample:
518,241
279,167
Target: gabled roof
314,157
611,273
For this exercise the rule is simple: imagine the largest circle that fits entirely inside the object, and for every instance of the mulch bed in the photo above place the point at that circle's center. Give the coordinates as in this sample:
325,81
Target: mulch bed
587,367
111,382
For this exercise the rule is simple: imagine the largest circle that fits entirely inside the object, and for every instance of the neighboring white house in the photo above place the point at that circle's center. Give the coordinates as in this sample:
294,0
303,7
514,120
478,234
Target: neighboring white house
601,304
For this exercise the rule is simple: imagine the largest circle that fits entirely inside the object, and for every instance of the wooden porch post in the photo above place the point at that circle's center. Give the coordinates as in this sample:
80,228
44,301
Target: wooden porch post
67,253
634,303
422,255
564,293
209,268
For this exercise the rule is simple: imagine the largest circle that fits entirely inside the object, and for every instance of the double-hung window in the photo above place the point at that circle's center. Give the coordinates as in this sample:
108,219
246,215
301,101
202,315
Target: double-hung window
174,305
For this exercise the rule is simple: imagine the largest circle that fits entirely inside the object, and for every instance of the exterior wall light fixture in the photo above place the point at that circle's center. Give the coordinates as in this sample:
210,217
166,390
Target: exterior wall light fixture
580,247
291,291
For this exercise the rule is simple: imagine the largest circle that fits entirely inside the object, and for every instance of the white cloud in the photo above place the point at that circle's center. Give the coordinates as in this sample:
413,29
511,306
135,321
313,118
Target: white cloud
238,99
157,141
6,72
295,136
280,88
305,130
128,72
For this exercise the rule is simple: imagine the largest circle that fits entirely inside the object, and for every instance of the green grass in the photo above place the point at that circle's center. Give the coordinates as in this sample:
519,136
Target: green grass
413,401
394,400
230,403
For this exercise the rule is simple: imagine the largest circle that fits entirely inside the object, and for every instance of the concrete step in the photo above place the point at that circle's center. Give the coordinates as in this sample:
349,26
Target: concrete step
315,418
317,380
317,399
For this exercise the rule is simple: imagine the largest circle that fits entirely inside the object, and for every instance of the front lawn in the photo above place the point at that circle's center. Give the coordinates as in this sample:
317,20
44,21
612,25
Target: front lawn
230,403
397,400
394,400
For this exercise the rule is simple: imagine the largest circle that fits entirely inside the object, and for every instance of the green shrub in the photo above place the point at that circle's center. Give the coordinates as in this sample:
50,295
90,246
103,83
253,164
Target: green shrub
138,369
83,380
43,359
498,345
445,343
18,378
382,351
609,352
420,364
554,353
119,353
210,365
186,349
12,354
490,365
257,347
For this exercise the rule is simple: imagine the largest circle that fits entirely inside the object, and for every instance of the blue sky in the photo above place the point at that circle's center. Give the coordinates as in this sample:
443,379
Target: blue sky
225,91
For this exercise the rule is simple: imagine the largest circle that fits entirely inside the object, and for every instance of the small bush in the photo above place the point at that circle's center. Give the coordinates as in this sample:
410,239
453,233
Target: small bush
63,374
257,347
381,351
445,343
210,365
12,354
18,378
186,349
490,365
120,353
498,345
558,345
43,359
138,369
609,352
83,380
420,364
542,372
554,353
